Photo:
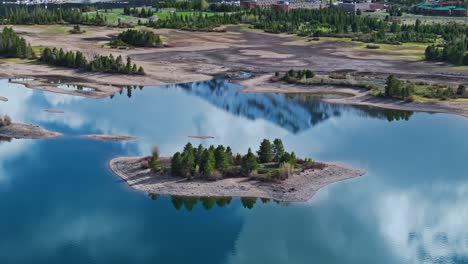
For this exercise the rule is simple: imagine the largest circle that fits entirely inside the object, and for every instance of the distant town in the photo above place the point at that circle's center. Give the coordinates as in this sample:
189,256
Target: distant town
435,8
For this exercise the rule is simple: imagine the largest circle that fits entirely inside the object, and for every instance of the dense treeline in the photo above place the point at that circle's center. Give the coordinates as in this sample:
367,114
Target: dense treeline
454,52
272,162
137,38
197,21
76,60
199,5
13,46
43,16
138,12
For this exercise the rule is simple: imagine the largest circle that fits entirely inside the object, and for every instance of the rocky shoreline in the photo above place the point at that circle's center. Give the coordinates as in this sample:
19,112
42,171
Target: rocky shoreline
300,187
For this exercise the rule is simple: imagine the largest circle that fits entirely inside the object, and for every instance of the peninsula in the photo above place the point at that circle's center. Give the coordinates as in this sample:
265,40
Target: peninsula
271,173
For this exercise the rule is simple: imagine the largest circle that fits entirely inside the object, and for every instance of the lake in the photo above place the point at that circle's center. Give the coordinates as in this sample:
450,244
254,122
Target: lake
61,204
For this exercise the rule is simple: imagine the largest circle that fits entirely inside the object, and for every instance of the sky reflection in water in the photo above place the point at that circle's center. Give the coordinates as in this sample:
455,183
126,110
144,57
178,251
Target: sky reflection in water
62,205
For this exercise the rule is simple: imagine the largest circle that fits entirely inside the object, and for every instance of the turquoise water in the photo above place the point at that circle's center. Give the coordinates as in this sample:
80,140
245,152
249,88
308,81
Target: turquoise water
60,203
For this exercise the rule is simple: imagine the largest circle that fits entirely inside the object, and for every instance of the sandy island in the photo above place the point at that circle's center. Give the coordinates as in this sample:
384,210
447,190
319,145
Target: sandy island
54,111
102,137
21,131
299,187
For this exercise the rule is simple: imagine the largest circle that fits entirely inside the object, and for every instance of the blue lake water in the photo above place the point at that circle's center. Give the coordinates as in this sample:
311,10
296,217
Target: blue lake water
61,204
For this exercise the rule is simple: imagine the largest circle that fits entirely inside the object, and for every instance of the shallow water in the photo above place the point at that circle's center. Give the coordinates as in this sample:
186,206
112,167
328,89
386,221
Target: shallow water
61,204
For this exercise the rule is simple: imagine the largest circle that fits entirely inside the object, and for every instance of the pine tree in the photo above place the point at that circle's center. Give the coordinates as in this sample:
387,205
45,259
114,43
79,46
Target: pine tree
249,162
209,163
278,149
265,153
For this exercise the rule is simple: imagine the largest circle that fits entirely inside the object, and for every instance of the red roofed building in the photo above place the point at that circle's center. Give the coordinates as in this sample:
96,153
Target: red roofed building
281,5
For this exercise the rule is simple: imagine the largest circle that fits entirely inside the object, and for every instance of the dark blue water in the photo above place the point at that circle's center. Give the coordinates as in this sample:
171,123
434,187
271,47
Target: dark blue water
60,203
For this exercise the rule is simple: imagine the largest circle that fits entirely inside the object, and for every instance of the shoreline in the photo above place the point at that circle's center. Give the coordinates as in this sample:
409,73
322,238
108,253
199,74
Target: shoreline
299,187
262,84
22,131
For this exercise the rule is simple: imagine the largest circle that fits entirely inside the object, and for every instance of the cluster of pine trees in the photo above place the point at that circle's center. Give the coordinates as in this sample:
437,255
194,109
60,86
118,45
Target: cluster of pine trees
398,89
138,12
218,162
137,38
13,46
454,52
292,76
197,21
76,60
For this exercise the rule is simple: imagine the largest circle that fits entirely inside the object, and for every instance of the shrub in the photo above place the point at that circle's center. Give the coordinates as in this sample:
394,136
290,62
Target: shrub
5,121
372,46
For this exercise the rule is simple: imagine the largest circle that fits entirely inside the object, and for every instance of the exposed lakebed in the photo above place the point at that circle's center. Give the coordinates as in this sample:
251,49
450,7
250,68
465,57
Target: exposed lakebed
63,205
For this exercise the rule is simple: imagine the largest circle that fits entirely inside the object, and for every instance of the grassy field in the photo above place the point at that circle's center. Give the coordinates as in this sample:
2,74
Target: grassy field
411,50
411,18
165,15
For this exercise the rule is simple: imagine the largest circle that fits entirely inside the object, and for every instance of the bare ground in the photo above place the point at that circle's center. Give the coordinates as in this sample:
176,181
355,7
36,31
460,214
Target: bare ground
297,188
21,131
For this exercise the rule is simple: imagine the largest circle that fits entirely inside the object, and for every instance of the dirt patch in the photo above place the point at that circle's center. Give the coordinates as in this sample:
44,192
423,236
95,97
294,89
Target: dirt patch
299,187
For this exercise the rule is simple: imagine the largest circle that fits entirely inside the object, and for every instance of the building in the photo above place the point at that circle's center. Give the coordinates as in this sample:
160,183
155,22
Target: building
280,6
446,8
365,7
460,11
248,3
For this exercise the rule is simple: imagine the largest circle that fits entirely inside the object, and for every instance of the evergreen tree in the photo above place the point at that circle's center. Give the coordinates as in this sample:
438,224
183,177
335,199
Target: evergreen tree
249,162
209,163
278,149
265,153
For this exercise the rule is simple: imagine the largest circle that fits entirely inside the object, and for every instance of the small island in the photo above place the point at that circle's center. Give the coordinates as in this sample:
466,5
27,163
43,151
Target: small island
9,129
104,137
271,173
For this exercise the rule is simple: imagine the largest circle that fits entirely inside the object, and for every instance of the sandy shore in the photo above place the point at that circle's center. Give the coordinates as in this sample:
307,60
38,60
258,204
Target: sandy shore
262,84
297,188
21,131
103,137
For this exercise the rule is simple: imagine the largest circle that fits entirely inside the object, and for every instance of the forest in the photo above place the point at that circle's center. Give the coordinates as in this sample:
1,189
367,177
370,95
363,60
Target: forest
37,15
